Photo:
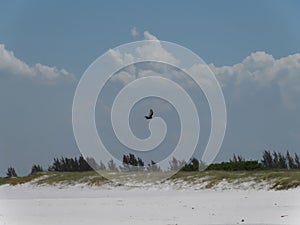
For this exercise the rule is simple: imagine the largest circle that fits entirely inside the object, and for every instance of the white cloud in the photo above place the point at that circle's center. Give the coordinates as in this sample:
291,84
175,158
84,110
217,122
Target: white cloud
11,65
265,71
259,69
134,32
148,36
117,58
153,49
123,77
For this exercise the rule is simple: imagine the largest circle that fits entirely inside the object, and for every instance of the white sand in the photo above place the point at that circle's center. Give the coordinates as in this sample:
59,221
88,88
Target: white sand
29,205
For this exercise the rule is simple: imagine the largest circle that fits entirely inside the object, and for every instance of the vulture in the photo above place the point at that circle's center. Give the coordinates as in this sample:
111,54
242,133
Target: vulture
149,117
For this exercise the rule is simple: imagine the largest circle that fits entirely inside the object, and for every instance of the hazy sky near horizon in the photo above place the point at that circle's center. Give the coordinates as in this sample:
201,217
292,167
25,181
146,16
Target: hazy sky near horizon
252,46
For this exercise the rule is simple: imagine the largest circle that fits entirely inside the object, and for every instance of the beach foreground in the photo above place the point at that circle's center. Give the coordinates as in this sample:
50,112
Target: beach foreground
73,205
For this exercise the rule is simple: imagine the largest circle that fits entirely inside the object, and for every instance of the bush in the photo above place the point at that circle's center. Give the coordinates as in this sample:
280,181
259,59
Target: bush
65,164
132,163
36,169
11,172
193,165
234,166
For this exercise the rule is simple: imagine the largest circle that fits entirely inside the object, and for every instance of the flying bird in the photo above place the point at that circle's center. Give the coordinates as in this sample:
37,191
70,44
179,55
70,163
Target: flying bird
149,117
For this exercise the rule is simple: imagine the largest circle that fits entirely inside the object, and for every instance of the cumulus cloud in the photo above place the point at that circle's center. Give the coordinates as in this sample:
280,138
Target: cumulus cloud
264,71
153,49
10,65
118,59
123,77
259,70
134,32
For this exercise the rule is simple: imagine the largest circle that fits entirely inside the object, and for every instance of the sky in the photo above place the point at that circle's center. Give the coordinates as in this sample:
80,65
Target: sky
252,46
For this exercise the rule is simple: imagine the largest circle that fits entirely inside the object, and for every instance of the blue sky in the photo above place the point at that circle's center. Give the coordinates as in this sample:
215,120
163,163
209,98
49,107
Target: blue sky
35,113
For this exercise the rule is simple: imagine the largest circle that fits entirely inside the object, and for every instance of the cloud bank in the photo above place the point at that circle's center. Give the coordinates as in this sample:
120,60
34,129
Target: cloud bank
10,65
258,71
263,71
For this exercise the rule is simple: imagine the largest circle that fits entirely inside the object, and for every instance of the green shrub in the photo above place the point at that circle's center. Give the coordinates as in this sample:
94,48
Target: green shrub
234,166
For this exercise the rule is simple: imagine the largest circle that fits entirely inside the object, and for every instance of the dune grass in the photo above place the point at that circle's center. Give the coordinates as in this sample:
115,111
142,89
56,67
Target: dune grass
19,180
53,178
276,179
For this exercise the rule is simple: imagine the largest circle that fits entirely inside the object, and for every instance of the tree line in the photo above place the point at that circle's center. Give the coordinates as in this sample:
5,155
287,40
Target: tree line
270,160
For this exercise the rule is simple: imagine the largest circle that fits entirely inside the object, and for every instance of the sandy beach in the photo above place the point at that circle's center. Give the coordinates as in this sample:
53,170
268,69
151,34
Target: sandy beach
73,205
